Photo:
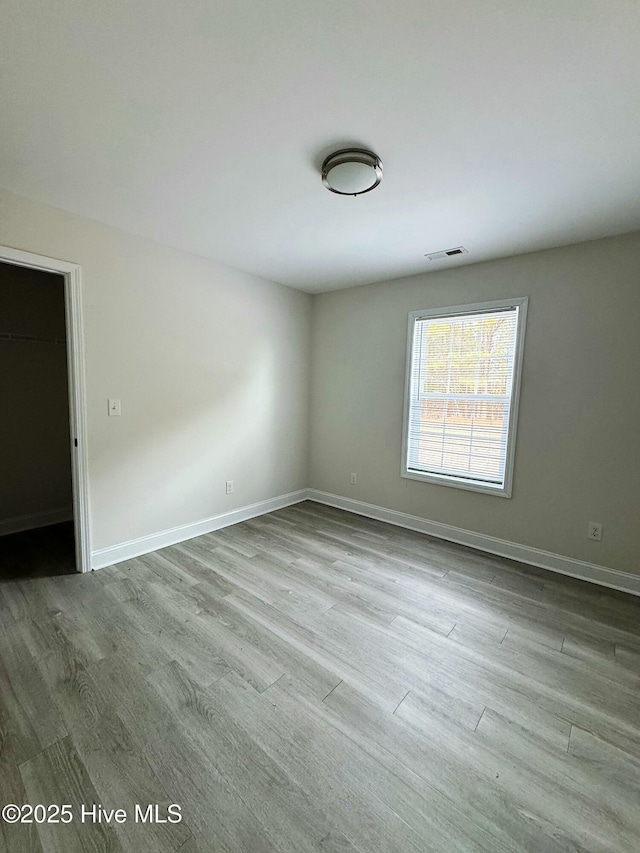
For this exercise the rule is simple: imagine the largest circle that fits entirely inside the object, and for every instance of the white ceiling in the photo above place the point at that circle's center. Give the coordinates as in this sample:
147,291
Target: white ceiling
505,126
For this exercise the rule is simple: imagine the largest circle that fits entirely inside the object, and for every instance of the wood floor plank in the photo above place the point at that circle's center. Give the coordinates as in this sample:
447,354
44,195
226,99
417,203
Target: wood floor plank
451,705
331,657
344,788
626,657
202,573
291,819
498,820
18,738
57,775
250,626
122,776
566,794
608,763
219,819
564,685
15,837
175,629
261,578
311,680
28,689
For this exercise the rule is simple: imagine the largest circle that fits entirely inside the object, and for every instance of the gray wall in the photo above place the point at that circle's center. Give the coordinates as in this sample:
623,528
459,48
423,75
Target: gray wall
211,366
35,462
578,453
213,369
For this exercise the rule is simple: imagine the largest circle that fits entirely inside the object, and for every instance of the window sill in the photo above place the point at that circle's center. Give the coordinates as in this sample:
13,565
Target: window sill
499,490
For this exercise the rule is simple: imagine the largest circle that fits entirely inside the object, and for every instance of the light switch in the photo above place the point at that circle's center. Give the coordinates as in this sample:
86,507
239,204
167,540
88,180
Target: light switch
114,408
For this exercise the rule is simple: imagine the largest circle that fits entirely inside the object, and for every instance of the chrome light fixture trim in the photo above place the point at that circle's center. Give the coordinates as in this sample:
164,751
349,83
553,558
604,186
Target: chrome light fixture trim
359,180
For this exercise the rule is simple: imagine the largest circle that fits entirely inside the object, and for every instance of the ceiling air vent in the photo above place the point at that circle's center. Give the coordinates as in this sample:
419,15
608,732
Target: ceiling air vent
447,253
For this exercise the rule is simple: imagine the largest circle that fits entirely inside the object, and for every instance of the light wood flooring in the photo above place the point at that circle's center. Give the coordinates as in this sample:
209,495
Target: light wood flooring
315,681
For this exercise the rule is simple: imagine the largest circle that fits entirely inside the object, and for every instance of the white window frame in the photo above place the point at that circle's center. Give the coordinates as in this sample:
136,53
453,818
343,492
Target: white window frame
500,489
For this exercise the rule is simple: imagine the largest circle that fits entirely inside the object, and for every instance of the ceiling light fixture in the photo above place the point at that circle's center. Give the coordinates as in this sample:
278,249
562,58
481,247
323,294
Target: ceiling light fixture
352,171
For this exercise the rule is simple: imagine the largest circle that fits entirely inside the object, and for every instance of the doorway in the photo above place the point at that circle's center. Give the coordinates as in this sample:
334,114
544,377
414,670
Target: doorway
43,499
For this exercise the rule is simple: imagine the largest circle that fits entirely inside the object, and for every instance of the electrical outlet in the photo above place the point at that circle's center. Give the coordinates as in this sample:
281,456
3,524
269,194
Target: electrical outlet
594,531
353,479
229,487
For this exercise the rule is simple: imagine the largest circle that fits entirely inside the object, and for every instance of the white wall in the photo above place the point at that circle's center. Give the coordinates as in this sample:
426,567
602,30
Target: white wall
578,449
35,455
211,365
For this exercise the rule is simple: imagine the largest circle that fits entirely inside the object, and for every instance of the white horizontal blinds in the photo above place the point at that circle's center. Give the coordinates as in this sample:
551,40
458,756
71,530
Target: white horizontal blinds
461,383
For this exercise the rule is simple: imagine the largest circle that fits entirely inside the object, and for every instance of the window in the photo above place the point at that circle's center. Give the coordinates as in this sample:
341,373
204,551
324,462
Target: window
461,398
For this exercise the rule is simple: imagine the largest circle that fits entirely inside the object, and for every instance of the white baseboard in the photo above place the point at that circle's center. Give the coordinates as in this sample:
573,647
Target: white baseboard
34,520
602,575
136,547
613,578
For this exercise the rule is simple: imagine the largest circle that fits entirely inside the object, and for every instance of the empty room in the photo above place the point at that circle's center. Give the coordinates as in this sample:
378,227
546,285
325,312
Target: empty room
319,458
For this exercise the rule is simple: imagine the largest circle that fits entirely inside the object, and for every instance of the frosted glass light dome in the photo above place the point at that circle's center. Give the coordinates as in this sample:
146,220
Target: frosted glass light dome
352,171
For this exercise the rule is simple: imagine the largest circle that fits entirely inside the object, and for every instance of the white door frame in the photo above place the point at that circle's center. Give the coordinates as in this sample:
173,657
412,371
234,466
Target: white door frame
76,383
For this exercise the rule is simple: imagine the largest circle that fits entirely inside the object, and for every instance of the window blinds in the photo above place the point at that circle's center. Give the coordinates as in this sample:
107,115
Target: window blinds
461,385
